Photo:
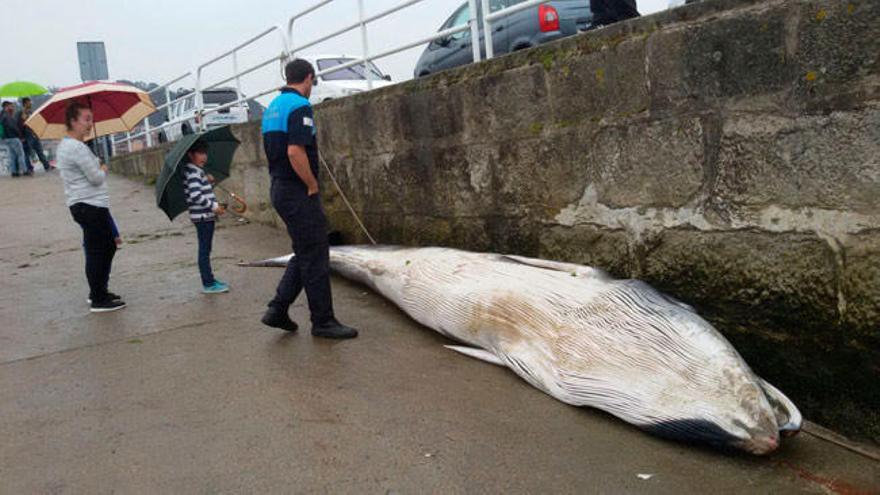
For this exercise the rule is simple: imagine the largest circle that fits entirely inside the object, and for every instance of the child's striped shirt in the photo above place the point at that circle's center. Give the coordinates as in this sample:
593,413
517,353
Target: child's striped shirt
199,194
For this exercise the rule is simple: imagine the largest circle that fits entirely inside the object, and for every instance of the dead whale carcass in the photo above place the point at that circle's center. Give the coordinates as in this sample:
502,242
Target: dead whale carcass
584,338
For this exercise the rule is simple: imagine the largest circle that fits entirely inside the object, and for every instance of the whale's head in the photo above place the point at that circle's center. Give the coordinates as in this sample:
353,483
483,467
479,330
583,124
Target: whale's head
733,413
655,362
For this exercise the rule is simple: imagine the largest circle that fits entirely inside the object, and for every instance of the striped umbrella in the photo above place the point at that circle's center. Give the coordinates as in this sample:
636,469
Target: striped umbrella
116,107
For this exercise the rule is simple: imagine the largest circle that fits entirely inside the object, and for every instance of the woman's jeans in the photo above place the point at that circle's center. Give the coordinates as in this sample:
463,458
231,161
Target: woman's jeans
100,247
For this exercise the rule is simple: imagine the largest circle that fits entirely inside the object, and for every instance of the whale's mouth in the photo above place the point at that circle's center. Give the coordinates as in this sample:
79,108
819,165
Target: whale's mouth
697,431
705,432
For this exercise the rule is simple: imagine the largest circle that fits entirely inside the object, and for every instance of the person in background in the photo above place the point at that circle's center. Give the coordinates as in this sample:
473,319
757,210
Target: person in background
203,211
31,142
85,186
9,138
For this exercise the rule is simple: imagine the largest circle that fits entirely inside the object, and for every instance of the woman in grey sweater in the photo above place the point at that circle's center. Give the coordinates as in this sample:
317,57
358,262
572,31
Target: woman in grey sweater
86,189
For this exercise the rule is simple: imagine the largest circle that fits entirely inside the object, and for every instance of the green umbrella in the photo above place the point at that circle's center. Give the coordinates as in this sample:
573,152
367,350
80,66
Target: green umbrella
169,187
22,89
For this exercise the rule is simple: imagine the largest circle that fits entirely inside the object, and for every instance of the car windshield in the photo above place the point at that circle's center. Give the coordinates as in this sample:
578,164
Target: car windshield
218,97
463,14
460,18
353,73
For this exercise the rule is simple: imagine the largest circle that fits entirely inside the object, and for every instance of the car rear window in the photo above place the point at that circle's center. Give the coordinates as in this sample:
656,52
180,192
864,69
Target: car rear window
353,73
218,97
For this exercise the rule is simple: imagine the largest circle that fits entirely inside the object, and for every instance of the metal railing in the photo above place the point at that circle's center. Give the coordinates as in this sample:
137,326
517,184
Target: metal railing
147,133
289,49
236,73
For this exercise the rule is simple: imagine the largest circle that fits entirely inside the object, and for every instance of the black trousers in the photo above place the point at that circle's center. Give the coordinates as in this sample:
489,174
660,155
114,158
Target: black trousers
309,269
99,246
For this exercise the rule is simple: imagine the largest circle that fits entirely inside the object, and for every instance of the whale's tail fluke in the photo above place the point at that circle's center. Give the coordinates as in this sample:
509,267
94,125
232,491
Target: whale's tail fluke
280,261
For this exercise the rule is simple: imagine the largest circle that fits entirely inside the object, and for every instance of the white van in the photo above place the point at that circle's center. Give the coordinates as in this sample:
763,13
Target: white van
183,113
345,82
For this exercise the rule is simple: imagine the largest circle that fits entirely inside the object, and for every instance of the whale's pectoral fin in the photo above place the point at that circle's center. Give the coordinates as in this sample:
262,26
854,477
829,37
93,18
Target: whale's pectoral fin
280,261
574,270
476,353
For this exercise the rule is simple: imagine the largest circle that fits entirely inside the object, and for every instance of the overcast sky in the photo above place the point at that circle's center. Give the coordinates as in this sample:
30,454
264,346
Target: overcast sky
158,40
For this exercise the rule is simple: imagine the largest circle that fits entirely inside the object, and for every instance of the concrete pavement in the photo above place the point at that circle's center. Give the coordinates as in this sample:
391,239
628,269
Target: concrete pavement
186,393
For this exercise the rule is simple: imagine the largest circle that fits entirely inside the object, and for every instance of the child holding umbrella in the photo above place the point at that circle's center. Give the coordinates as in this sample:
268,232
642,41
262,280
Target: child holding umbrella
203,211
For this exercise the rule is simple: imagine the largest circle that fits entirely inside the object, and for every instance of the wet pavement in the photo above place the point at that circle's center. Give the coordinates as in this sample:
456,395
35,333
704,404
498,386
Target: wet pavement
186,393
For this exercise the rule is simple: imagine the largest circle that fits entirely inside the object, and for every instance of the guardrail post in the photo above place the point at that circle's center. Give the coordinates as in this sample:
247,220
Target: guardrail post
487,31
167,109
128,140
367,70
475,30
237,79
147,131
198,102
285,52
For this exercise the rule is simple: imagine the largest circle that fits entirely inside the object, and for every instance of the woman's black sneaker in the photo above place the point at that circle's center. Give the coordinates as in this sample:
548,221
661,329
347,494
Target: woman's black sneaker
107,306
110,295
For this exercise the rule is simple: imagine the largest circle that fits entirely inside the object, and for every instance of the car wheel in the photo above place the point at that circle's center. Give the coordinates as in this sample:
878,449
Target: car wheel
326,100
424,74
521,47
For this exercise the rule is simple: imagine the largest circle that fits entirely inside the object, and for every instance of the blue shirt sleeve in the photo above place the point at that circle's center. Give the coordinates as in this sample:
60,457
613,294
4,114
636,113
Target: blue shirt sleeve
301,126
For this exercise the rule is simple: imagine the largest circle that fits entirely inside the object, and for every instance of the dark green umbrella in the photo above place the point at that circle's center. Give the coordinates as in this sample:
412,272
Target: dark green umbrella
169,187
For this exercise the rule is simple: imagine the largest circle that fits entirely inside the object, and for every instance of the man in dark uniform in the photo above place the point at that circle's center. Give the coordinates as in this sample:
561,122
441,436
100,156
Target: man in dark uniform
289,140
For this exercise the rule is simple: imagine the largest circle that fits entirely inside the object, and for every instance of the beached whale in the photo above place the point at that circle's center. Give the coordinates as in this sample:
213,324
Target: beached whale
584,338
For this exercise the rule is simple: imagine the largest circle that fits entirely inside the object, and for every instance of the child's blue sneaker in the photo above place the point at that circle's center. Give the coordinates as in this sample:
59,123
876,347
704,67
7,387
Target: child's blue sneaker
217,287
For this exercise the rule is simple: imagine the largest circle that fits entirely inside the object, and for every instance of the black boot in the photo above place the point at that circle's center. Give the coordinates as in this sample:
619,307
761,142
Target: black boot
332,329
276,318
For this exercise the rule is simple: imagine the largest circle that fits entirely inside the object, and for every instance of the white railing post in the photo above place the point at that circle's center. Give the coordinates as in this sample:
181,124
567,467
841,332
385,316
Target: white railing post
366,51
475,30
147,130
285,51
198,101
237,78
128,140
167,110
487,31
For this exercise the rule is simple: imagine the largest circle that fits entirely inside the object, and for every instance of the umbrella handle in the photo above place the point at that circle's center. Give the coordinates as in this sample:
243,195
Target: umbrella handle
240,206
